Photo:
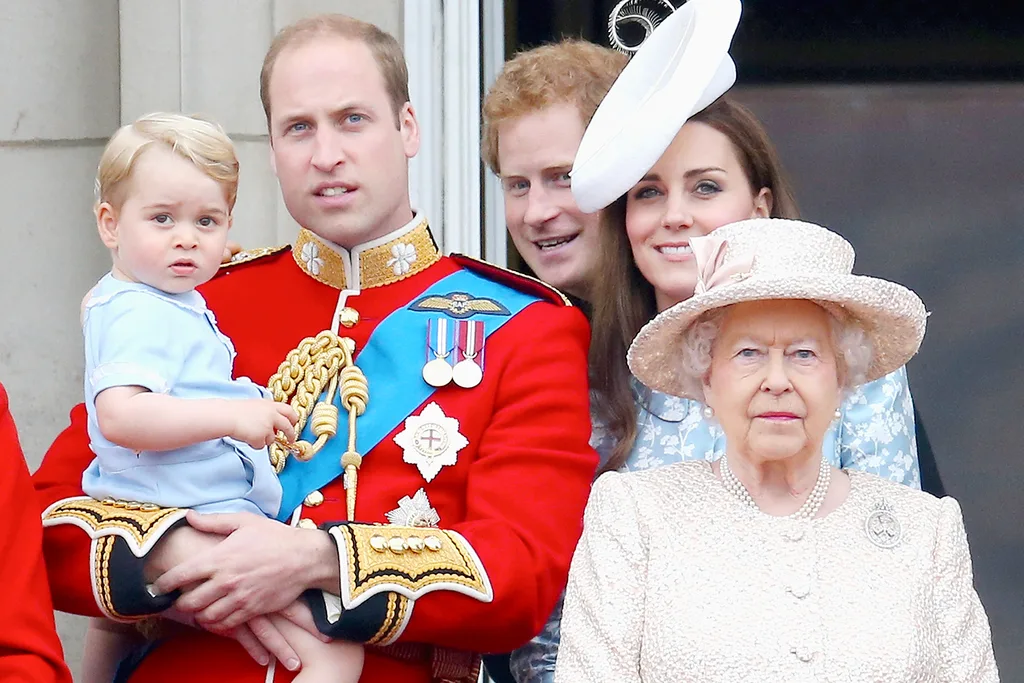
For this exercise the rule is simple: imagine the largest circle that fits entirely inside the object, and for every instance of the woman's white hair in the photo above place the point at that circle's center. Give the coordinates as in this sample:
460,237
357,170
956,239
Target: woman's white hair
851,345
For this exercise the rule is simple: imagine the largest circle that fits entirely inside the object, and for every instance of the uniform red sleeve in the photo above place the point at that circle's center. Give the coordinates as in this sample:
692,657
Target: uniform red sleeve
29,648
67,548
70,552
527,490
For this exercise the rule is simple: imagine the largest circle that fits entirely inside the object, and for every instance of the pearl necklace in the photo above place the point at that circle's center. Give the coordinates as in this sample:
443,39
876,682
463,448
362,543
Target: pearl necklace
807,511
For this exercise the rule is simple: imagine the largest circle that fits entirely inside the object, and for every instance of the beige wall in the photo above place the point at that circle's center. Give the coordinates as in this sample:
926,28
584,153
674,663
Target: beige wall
73,71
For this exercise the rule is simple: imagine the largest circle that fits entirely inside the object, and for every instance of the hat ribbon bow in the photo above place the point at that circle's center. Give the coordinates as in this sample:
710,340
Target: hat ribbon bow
712,269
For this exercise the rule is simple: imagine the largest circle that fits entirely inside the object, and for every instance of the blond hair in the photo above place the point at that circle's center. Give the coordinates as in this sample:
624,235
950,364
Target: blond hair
571,71
385,50
202,142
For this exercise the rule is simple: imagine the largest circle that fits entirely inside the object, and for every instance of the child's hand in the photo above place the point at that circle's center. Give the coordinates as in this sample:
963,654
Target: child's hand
257,421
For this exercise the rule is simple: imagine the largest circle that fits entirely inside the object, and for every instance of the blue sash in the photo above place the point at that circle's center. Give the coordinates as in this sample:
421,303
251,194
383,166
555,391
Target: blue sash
392,360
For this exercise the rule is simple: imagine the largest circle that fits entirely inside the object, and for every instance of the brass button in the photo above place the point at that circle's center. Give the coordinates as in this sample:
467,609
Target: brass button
307,524
415,544
314,499
378,543
432,543
349,343
348,317
397,545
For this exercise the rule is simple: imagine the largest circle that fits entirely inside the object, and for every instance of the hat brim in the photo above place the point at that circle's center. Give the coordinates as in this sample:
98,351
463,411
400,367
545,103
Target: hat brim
892,316
681,68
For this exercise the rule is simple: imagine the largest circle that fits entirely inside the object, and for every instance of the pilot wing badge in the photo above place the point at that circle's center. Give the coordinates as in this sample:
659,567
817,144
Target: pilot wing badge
459,305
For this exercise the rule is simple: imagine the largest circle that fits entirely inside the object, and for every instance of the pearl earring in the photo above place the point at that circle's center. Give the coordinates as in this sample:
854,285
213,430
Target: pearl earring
707,412
838,414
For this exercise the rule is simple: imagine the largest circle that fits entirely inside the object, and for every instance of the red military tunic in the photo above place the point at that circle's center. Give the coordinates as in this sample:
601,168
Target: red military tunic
513,499
29,648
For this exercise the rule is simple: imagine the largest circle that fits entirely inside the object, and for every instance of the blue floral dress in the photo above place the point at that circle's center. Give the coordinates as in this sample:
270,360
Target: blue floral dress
874,433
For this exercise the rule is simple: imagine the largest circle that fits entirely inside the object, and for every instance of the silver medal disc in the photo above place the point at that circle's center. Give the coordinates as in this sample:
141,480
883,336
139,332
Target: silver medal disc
437,373
467,374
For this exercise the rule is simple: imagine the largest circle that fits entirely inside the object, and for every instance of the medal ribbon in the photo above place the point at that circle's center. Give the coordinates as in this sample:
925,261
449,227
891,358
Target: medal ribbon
438,346
471,341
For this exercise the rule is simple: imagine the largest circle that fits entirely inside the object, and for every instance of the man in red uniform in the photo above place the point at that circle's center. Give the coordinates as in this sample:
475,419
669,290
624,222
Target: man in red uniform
29,648
436,422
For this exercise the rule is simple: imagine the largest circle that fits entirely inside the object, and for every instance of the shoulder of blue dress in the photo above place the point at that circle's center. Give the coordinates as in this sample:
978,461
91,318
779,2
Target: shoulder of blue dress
512,280
662,406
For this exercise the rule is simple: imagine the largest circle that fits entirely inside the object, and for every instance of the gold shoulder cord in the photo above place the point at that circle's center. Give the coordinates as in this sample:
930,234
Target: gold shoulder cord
318,362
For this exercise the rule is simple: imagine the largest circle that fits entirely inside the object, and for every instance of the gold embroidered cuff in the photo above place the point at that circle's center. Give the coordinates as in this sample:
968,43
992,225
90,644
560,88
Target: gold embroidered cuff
140,524
122,534
410,561
396,617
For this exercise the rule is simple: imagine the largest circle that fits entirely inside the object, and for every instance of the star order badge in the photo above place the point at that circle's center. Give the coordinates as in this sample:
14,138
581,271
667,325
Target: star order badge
431,440
415,511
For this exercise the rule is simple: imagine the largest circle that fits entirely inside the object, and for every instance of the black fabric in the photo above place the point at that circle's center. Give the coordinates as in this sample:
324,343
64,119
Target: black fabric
497,669
930,479
128,582
358,624
132,662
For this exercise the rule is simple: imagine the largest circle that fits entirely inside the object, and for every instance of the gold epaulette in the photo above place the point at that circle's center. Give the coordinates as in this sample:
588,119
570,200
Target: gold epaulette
513,279
250,255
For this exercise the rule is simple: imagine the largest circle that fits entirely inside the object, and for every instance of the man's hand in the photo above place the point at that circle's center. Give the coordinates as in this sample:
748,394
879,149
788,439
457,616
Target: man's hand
261,567
230,249
176,547
258,420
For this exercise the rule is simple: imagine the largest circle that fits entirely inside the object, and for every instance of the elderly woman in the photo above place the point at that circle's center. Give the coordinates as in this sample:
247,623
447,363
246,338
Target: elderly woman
770,564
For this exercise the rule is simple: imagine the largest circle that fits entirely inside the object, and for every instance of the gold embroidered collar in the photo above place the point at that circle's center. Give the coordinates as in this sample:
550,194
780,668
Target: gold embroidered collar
383,261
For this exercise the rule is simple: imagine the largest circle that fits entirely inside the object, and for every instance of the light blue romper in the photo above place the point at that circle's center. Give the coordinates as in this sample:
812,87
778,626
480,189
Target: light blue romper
136,335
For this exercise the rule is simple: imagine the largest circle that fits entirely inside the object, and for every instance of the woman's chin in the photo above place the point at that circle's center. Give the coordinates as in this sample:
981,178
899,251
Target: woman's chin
778,449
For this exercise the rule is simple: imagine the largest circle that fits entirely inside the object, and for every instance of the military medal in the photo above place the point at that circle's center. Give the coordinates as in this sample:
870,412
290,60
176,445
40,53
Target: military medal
469,348
437,372
431,440
414,511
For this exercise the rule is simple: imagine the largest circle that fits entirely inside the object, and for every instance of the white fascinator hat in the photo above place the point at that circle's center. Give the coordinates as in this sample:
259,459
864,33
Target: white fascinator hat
682,66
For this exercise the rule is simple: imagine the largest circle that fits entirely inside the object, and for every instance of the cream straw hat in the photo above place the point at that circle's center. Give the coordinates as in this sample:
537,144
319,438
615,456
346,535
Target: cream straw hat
772,258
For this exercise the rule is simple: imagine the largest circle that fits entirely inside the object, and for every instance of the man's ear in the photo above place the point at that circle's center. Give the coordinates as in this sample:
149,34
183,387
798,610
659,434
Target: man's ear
106,224
410,129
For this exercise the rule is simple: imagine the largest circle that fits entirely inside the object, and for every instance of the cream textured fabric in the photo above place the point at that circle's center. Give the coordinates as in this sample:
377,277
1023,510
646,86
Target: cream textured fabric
774,258
676,580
